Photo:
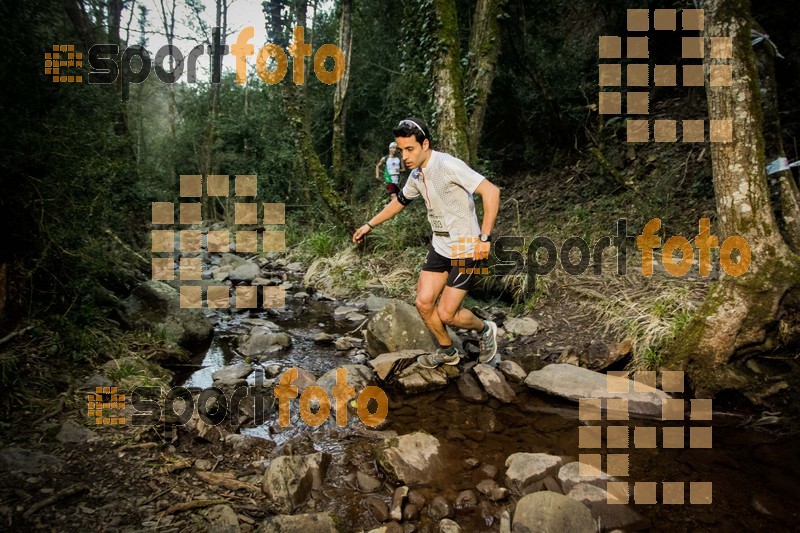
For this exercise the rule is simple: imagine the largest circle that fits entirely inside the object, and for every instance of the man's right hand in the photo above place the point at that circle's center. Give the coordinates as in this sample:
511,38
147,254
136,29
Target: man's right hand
358,236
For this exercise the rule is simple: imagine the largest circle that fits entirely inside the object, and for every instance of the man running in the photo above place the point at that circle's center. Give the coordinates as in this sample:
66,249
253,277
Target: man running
393,165
446,184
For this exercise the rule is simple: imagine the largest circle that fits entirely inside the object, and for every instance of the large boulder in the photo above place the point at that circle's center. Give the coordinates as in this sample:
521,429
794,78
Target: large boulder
603,506
155,306
410,459
574,383
548,512
245,272
290,479
398,327
574,473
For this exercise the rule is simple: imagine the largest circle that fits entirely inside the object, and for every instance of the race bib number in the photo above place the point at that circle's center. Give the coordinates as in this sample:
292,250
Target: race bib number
437,221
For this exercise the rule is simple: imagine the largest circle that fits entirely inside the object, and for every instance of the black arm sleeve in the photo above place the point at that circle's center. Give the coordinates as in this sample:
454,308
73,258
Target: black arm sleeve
402,199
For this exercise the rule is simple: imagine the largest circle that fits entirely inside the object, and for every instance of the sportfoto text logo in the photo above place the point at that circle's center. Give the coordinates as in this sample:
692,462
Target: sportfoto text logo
107,64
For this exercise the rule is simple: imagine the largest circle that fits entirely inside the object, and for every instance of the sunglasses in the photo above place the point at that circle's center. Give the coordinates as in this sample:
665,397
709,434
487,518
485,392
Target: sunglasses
402,122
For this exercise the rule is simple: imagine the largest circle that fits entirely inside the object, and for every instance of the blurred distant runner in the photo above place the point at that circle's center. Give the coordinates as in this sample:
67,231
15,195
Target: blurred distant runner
392,166
446,185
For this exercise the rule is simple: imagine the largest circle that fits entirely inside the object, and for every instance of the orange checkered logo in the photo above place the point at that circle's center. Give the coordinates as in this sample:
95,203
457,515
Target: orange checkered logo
619,437
465,250
102,402
639,77
192,243
56,62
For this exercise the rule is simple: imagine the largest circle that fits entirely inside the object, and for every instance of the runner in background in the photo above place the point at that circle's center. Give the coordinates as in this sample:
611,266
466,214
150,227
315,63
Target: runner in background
391,174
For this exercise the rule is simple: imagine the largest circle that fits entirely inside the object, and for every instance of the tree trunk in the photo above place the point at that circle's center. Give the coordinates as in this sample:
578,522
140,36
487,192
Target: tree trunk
340,97
484,49
448,96
741,315
784,193
299,124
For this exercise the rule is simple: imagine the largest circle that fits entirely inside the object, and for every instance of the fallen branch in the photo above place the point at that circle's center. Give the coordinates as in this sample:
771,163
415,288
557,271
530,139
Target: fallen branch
14,334
194,504
75,489
126,247
226,480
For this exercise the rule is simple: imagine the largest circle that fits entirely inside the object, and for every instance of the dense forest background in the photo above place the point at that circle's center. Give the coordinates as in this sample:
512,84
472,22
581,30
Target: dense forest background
81,165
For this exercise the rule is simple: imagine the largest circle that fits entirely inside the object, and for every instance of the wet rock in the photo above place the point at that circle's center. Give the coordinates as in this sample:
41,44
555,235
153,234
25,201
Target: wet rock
416,497
360,359
398,327
301,295
245,272
271,371
71,431
471,463
486,486
358,376
301,523
232,261
391,527
466,499
416,379
449,526
410,513
505,522
410,459
498,494
525,468
27,461
611,515
238,372
261,322
261,339
573,382
222,519
469,389
512,371
221,273
440,508
289,479
399,497
377,508
368,483
387,364
552,485
295,267
155,306
355,317
454,435
376,303
347,343
323,338
570,475
495,383
304,379
341,312
521,326
488,471
587,493
548,512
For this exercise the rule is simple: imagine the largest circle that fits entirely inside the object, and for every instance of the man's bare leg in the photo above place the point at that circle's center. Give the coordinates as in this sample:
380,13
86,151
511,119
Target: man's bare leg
429,287
449,310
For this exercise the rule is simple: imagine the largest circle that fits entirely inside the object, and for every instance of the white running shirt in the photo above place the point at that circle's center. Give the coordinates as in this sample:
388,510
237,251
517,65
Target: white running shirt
446,185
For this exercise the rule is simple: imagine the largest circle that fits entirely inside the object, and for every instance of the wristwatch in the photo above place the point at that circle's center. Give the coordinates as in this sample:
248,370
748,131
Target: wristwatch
485,237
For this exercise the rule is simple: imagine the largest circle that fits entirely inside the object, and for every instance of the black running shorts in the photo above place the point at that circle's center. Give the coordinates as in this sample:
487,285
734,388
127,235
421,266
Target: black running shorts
460,276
